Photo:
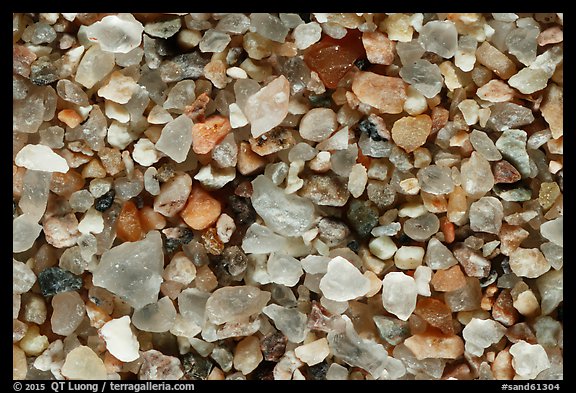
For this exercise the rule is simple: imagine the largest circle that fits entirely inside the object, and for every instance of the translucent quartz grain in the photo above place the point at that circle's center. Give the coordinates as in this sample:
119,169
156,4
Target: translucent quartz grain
68,312
318,124
155,317
528,360
512,145
176,138
35,190
94,66
477,178
284,269
125,264
553,230
466,298
182,94
484,145
435,180
290,321
25,231
440,37
423,76
357,351
289,215
192,306
343,281
116,33
268,26
234,303
486,215
480,334
268,107
422,227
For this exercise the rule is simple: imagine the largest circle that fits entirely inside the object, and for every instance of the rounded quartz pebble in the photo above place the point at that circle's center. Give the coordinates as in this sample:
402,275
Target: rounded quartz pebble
318,124
422,227
68,312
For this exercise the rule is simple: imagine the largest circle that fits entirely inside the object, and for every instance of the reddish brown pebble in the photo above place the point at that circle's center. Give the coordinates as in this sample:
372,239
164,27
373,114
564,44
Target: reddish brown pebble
332,59
151,219
511,237
436,313
244,189
273,346
439,117
128,226
447,229
249,162
202,210
460,371
448,280
504,172
503,310
196,111
65,184
209,133
521,331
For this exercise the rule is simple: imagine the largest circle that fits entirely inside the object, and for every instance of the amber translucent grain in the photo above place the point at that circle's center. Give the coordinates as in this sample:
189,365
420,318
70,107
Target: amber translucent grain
129,228
436,313
65,184
332,59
